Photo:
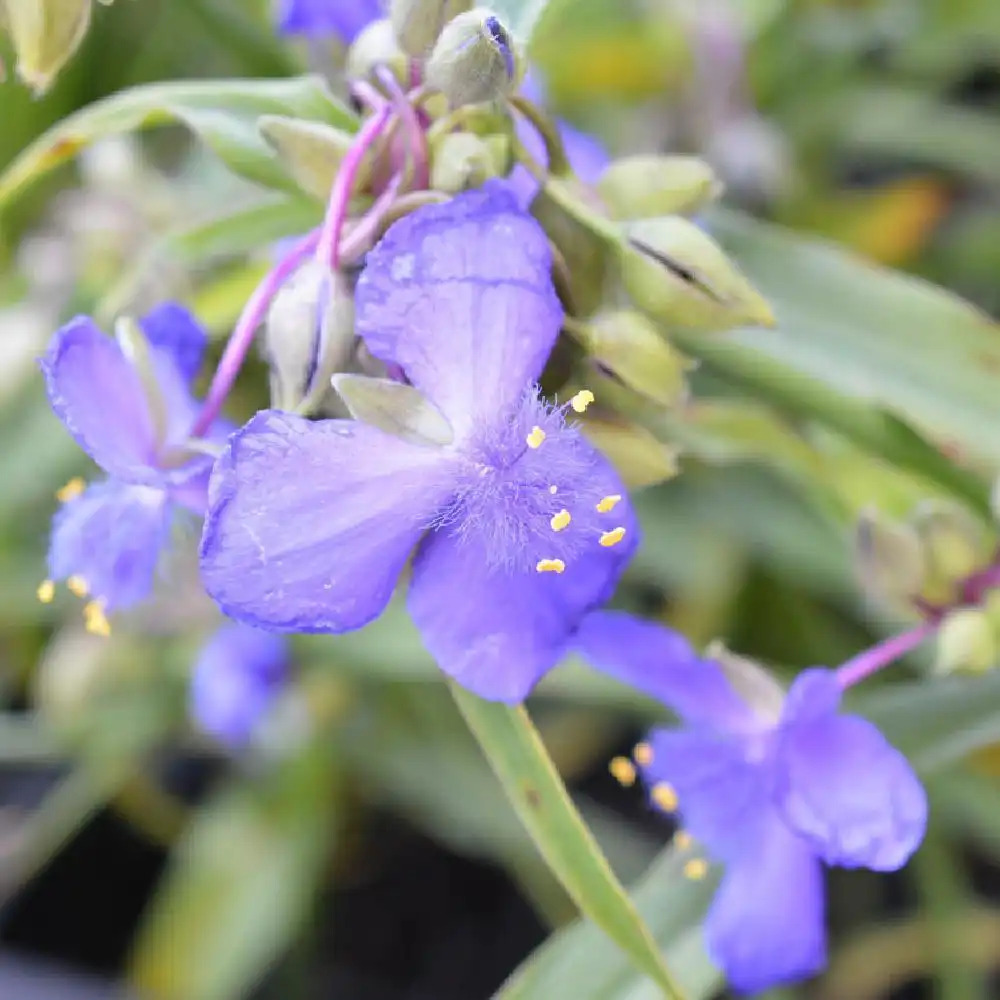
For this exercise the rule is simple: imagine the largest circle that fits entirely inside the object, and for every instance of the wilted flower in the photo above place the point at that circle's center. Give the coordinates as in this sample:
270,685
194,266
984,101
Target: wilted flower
771,784
520,526
343,18
107,538
236,678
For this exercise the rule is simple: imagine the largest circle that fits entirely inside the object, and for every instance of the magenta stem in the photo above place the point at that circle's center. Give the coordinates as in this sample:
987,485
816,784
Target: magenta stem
415,134
328,250
368,95
872,660
246,326
362,234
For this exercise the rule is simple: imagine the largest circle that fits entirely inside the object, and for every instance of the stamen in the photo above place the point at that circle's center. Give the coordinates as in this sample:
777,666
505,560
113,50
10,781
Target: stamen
683,840
664,796
95,620
78,585
46,591
550,566
623,771
582,400
71,490
560,520
553,489
609,503
696,869
643,754
610,538
536,437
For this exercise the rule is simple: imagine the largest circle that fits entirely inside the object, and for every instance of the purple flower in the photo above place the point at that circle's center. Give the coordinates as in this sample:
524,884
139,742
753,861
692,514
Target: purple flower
520,526
107,538
344,18
771,784
236,678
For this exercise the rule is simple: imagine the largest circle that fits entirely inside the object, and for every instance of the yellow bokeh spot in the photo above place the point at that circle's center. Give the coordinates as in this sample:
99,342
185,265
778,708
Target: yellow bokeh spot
696,869
683,840
46,591
536,437
78,585
643,754
71,490
95,620
560,520
623,771
609,503
613,537
664,796
582,400
550,566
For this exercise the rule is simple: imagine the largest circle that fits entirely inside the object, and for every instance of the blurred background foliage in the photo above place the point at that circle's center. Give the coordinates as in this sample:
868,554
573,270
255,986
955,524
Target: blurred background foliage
364,849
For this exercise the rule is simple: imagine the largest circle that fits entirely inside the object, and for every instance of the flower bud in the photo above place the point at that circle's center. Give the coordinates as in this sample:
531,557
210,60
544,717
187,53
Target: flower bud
311,152
751,682
418,23
632,349
394,407
889,559
678,275
967,642
474,60
638,187
955,545
45,34
376,46
308,335
461,160
639,458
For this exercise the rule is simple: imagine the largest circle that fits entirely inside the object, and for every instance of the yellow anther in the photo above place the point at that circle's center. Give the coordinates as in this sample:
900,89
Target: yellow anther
560,520
623,771
95,620
536,437
582,400
643,754
664,796
696,869
46,591
553,489
613,537
683,840
609,503
78,585
550,566
71,490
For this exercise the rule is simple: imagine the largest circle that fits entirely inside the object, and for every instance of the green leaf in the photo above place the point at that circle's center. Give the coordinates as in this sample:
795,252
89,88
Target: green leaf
515,752
223,113
580,962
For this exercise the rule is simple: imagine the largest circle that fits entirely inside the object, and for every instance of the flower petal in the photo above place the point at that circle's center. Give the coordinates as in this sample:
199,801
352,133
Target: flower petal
662,663
172,329
235,679
344,18
310,523
460,296
766,923
842,786
111,536
98,395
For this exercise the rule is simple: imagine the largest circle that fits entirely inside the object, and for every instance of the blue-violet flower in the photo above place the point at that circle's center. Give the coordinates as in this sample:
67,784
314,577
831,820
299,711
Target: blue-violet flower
521,526
316,18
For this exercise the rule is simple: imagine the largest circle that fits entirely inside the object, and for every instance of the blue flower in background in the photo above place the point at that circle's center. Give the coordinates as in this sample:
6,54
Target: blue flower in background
107,538
236,678
344,18
771,784
520,525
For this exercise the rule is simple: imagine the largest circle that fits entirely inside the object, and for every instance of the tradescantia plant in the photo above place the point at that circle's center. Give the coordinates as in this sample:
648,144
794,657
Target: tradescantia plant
482,336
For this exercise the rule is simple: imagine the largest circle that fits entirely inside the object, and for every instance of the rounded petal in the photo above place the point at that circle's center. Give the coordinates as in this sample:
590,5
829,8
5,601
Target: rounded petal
235,679
344,18
111,536
460,296
98,395
310,523
766,923
172,329
662,663
842,786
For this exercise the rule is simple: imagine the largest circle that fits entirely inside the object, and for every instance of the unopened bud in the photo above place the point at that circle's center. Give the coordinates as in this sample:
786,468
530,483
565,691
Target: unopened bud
394,407
677,274
311,152
474,60
376,46
630,346
45,34
956,545
638,187
966,642
639,458
890,560
751,682
462,160
308,335
418,23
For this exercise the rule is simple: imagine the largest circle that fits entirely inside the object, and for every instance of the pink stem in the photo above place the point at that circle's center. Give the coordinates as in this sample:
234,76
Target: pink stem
328,250
361,235
416,136
872,660
368,95
246,326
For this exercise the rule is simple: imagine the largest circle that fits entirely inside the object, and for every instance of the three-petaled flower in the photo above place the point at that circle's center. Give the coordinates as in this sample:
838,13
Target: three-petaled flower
520,526
771,784
107,539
